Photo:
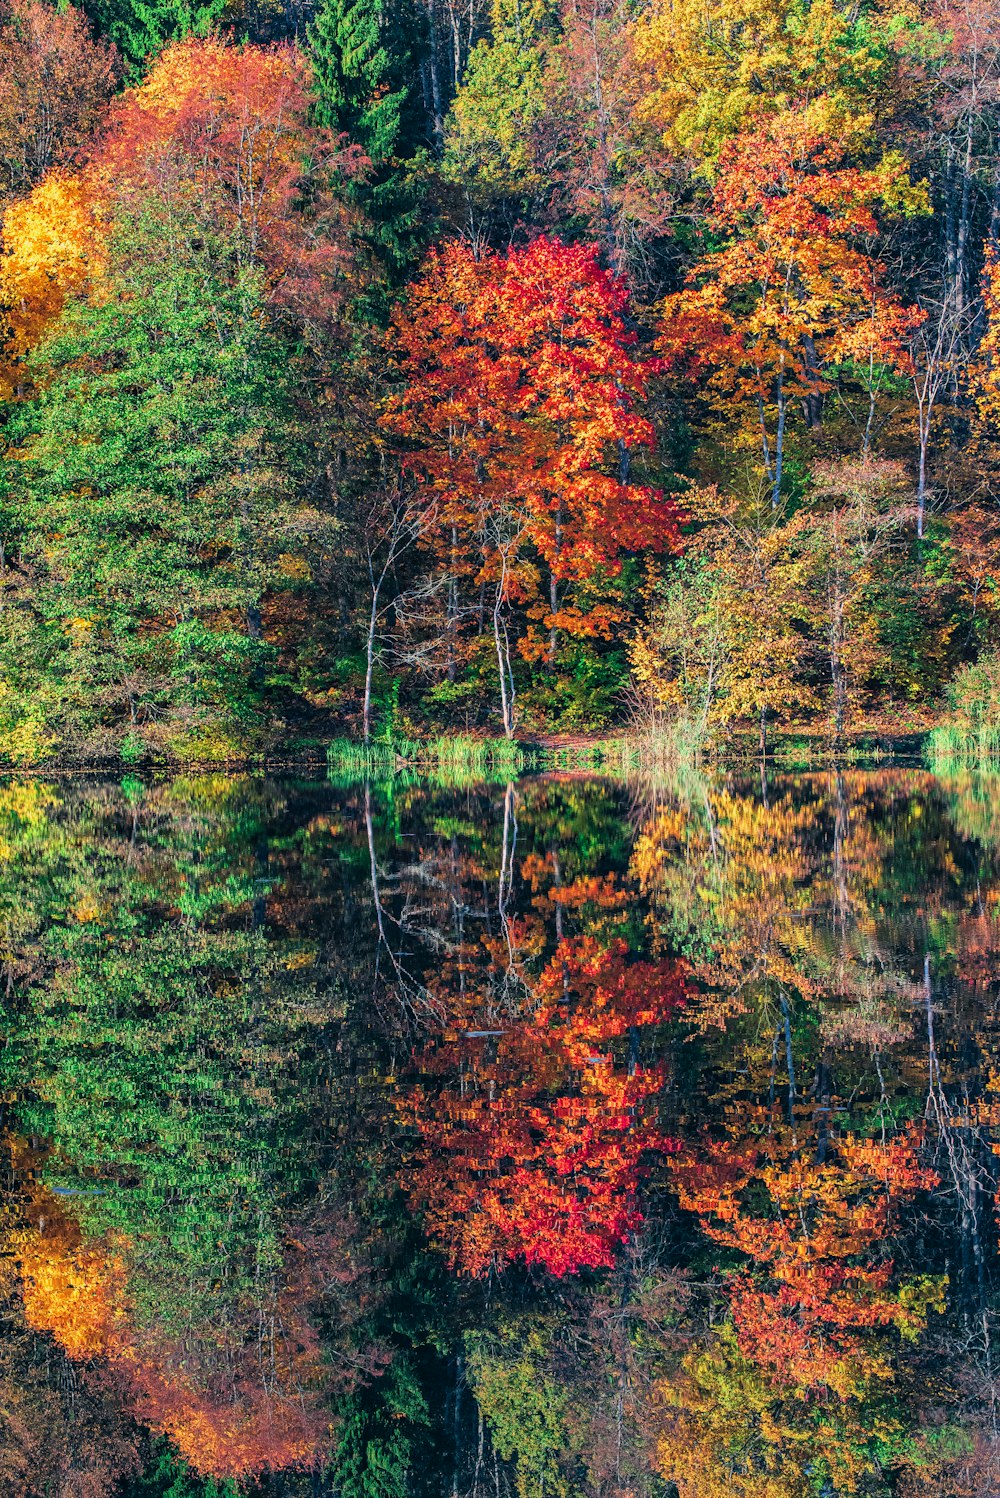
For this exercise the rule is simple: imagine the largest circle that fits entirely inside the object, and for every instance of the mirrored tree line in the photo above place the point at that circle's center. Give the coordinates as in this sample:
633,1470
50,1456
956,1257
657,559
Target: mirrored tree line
557,1136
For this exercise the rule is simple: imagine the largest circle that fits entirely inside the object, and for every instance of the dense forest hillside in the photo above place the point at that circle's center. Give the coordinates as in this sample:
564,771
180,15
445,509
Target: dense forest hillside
393,369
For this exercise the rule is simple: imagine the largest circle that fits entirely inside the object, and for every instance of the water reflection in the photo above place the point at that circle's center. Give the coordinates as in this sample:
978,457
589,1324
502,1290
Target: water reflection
546,1139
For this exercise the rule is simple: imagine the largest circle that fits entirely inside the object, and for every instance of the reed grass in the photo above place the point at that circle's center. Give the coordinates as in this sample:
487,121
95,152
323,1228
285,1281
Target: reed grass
448,761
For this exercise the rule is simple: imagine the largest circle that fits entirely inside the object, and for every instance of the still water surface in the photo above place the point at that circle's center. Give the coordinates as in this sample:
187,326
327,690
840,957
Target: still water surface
549,1139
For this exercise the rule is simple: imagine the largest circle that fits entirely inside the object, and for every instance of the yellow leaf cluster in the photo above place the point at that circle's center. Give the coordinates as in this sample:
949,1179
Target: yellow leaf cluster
52,245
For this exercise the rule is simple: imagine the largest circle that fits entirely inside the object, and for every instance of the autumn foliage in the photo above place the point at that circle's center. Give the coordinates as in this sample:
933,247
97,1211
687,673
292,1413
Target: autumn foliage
535,1151
817,1283
216,137
226,1416
518,418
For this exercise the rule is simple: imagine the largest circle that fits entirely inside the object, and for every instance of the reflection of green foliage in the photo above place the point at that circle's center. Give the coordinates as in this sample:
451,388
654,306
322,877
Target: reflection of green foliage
168,1476
167,1048
974,796
455,761
378,1436
523,1404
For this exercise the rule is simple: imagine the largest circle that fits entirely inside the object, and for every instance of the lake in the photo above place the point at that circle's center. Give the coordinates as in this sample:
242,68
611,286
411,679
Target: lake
570,1136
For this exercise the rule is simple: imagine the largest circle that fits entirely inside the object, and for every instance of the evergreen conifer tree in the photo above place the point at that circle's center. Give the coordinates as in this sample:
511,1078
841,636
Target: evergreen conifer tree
140,28
360,58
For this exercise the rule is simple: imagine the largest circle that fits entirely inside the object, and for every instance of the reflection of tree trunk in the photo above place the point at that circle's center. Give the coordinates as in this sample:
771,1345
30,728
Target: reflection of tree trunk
824,1097
373,862
508,848
840,831
457,1426
557,886
774,1068
260,885
933,1071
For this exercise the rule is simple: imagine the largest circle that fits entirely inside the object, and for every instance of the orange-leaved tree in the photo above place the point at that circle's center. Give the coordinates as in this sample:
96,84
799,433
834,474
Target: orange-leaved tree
55,84
518,416
217,143
813,1224
797,287
532,1138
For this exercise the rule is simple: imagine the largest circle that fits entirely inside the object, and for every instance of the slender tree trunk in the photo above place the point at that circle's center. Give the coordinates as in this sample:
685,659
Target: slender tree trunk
554,591
369,667
779,444
866,441
434,76
812,403
452,605
503,665
765,445
924,424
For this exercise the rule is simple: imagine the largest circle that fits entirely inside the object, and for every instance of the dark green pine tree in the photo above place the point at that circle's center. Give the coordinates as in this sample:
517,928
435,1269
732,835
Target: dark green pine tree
354,76
360,59
141,28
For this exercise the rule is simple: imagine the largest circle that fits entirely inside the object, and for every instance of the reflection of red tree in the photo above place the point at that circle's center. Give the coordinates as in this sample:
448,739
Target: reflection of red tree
814,1231
236,1402
531,1145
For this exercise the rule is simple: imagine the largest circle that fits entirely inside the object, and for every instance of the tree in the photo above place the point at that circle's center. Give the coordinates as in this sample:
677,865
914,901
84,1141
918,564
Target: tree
716,70
490,149
55,85
762,317
518,417
148,507
598,146
140,28
758,607
360,55
352,71
846,542
220,138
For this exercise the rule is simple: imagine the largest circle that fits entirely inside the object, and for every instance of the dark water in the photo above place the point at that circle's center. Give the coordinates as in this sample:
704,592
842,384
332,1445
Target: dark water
566,1137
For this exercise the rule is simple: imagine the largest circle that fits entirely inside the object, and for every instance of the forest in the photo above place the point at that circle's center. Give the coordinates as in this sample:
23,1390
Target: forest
390,371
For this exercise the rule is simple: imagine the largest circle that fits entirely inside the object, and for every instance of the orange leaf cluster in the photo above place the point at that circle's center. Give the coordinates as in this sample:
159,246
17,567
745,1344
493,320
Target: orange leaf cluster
532,1149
